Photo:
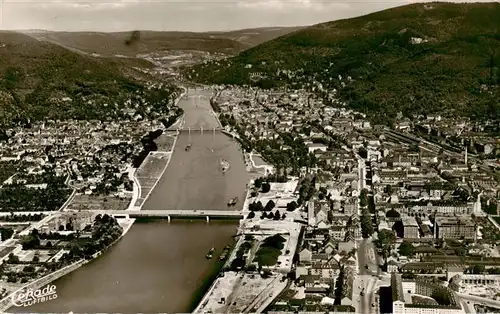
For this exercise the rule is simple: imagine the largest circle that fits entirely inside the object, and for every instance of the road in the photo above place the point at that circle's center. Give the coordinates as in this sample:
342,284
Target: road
367,256
467,306
479,300
173,213
367,280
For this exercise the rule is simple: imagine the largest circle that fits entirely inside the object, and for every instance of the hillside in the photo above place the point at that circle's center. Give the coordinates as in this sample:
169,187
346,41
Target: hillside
414,59
134,43
41,80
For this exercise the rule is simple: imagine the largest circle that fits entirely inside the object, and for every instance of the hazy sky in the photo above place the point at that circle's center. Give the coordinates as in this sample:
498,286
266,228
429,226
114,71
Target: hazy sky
191,15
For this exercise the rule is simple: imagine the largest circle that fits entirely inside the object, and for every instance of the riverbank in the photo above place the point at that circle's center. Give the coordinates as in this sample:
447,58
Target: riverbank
250,290
7,302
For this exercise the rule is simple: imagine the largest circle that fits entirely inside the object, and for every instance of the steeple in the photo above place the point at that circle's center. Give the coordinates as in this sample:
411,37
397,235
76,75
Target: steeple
477,205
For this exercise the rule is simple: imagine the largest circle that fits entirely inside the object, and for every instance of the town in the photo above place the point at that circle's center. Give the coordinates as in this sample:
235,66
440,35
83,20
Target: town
347,216
54,172
341,214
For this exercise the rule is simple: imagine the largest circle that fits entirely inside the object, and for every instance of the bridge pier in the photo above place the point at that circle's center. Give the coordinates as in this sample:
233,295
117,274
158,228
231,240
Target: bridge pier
208,219
201,130
168,218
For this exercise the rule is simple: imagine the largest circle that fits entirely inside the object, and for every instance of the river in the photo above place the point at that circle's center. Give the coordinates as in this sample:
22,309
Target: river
157,266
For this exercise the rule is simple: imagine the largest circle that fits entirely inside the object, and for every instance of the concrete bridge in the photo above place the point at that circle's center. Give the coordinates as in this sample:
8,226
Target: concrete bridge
200,130
174,214
183,128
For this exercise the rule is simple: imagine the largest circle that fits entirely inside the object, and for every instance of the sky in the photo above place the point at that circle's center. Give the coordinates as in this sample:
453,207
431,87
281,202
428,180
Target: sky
180,15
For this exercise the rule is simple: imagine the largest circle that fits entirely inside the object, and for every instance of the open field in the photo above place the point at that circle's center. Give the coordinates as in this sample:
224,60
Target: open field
258,160
194,180
165,143
149,172
152,166
92,202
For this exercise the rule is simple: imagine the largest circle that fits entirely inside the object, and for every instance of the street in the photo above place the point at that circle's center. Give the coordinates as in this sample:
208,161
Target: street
367,281
367,256
476,300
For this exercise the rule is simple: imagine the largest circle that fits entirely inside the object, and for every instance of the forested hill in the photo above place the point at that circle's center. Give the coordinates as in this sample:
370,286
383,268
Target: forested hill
414,59
40,80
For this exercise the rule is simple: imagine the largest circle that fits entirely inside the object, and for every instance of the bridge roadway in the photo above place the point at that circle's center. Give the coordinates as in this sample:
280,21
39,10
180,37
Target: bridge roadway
479,300
207,214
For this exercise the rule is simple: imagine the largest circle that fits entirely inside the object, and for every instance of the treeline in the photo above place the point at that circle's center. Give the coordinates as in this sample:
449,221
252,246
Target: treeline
22,218
173,118
148,145
431,78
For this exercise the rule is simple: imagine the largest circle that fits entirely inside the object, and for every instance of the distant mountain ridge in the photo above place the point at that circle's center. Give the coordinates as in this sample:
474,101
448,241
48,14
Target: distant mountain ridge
108,44
414,59
41,80
57,75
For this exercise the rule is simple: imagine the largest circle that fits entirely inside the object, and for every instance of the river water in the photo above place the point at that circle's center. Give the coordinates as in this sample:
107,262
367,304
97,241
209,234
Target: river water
157,266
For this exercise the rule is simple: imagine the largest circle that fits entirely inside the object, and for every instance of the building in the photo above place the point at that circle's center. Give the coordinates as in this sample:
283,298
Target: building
455,228
410,228
407,301
347,289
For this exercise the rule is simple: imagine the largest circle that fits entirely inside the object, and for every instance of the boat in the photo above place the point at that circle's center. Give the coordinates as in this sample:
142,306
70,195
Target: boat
224,164
188,147
210,253
232,201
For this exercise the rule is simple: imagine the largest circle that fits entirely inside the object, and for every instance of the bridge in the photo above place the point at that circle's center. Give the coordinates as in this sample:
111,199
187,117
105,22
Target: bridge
178,214
479,300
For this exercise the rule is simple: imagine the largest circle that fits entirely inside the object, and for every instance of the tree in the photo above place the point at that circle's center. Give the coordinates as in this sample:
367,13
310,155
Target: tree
266,187
256,206
477,269
251,215
366,225
258,183
237,263
441,295
363,198
269,206
388,189
283,216
277,215
13,258
6,233
29,242
291,206
392,213
406,249
385,241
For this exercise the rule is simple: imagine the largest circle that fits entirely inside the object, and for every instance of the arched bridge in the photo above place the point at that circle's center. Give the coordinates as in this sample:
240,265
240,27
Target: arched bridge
174,214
